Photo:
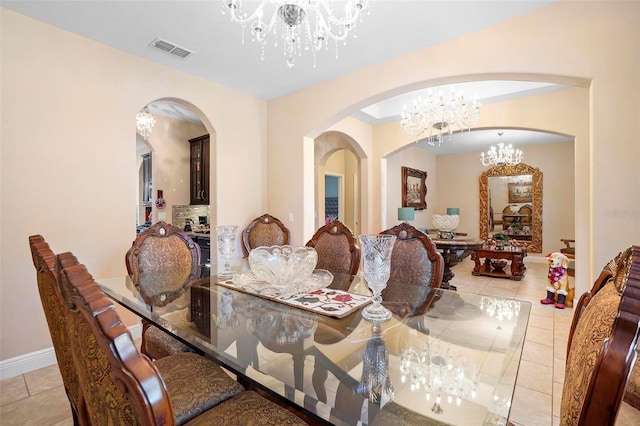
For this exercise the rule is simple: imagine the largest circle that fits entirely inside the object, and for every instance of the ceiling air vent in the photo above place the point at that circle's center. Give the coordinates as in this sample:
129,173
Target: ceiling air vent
173,49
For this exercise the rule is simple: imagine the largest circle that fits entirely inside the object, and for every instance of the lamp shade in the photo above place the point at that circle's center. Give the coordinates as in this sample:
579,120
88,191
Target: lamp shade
406,213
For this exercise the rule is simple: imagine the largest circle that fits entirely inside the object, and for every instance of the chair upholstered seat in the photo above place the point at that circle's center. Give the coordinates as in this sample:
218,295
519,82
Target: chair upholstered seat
195,384
248,408
158,341
632,393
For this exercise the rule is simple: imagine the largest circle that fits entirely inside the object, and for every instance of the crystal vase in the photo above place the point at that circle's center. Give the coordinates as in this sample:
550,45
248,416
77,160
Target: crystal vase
226,248
376,383
376,249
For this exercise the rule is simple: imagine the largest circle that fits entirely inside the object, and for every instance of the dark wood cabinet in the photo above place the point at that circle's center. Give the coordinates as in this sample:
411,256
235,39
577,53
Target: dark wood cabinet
205,253
199,170
147,192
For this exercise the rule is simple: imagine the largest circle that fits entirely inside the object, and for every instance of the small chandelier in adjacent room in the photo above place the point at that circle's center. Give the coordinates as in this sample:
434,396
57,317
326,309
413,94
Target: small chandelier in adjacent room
145,122
434,116
503,155
303,24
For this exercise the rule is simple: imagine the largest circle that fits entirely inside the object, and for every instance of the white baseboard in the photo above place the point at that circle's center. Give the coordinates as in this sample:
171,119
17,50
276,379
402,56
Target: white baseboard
43,358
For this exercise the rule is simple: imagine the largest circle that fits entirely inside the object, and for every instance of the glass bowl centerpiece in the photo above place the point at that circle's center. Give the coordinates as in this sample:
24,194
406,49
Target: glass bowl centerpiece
445,224
284,270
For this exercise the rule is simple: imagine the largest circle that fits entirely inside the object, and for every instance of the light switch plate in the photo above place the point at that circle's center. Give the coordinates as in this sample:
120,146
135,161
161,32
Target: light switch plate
162,216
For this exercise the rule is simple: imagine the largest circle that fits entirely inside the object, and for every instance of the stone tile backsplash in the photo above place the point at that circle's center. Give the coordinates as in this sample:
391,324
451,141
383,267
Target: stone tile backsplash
179,215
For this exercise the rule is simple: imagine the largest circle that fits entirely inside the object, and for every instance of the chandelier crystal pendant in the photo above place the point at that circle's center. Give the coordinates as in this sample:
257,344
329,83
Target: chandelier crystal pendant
502,155
145,122
304,25
434,116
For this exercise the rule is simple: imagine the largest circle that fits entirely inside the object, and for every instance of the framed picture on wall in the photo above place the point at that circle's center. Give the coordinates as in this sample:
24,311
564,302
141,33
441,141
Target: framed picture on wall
414,188
520,192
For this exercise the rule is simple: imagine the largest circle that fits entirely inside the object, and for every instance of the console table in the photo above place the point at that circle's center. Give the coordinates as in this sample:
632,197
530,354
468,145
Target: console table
495,261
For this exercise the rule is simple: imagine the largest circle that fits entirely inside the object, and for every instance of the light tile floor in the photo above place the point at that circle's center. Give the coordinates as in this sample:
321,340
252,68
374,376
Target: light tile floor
38,397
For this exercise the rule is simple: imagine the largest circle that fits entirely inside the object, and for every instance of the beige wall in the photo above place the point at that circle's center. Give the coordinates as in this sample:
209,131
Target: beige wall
415,158
591,45
68,157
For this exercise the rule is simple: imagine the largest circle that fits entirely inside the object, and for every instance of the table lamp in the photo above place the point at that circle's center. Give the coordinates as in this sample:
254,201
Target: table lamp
406,214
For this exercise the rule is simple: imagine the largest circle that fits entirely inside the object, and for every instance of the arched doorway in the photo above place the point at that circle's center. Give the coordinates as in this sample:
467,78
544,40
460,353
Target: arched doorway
164,169
337,161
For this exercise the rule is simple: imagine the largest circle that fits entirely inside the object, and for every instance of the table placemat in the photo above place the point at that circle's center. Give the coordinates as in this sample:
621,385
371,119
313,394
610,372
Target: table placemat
324,301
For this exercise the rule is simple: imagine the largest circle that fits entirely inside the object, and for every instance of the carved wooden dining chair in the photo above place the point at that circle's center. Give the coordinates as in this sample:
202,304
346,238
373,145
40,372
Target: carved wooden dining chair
56,315
338,252
120,386
265,230
508,220
603,345
163,249
416,265
527,211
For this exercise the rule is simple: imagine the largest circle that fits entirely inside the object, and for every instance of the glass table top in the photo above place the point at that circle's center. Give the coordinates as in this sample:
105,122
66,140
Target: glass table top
451,358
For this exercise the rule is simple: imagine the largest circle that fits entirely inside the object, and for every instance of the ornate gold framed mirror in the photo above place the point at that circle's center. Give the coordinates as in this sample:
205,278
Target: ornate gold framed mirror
517,214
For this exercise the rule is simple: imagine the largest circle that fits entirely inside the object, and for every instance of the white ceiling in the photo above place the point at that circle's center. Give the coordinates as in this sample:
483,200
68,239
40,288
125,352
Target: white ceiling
393,28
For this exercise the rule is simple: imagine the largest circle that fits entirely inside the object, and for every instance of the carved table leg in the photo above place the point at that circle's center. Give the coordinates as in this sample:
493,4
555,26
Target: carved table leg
517,267
476,259
450,259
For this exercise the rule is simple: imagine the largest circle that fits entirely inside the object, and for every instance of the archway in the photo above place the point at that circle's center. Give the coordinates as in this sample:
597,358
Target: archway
335,155
167,149
547,113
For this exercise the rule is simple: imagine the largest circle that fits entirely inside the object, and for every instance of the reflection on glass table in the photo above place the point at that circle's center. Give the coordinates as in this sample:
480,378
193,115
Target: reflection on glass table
451,359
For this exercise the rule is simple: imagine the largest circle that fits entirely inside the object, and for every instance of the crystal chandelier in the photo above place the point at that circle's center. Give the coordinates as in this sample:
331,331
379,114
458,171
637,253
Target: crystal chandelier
500,309
302,24
501,155
443,376
145,122
434,116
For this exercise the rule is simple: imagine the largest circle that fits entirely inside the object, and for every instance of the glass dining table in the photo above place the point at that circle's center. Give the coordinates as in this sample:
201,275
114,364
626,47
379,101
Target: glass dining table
451,359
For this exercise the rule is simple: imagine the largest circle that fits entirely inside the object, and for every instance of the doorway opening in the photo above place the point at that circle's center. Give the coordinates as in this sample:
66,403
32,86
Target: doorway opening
333,197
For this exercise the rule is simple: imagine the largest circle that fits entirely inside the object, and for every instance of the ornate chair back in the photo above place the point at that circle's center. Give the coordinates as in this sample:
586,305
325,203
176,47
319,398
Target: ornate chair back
527,211
415,262
162,261
164,247
603,345
265,230
507,220
338,252
119,385
57,315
